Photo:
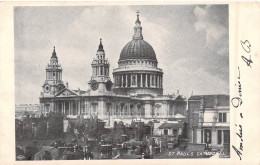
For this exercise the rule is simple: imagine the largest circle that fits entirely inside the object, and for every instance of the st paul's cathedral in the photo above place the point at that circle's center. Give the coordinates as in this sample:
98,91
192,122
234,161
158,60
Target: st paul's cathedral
135,93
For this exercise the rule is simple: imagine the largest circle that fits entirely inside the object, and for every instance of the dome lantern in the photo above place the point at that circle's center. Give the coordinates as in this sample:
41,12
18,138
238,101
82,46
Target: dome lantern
138,29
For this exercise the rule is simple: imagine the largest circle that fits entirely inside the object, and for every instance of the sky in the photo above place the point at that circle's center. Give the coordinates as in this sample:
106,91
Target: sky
190,41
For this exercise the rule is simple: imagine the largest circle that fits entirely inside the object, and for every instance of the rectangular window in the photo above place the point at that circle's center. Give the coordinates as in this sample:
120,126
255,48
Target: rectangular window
207,136
226,136
219,117
174,132
165,132
219,136
222,117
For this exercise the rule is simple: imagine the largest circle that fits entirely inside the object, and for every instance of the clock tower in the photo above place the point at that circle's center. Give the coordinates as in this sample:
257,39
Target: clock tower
53,82
100,80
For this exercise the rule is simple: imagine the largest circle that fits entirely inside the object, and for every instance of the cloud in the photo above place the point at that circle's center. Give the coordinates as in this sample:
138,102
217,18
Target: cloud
191,44
211,22
188,71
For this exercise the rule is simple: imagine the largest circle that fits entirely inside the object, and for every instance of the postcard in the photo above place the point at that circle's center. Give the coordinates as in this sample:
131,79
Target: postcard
130,82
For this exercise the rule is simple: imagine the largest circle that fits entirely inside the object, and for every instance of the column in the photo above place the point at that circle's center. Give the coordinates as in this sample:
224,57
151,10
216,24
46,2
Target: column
146,80
114,77
79,108
198,136
222,137
54,107
156,82
124,78
141,83
76,103
161,81
122,81
85,108
65,108
126,84
131,80
151,80
69,108
62,107
214,137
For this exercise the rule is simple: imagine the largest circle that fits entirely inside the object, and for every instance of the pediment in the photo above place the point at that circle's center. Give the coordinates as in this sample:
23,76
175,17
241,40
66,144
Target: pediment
179,98
66,92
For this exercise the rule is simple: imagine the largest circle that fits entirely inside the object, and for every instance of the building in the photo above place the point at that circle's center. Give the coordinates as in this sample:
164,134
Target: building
209,120
29,109
135,94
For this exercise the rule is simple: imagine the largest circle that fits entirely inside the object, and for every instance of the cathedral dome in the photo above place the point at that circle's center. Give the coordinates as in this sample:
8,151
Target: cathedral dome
137,71
138,49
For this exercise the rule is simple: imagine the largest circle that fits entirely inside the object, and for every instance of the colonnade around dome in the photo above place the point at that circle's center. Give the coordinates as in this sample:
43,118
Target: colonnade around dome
138,80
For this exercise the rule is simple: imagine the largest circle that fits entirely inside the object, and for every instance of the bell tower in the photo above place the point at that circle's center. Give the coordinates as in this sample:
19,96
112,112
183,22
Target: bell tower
100,79
53,82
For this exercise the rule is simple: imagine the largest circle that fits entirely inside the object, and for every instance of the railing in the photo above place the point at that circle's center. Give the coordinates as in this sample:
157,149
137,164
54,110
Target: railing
138,68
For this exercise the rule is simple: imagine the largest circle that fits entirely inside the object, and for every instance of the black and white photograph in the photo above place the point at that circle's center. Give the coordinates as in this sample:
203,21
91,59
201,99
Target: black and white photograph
122,82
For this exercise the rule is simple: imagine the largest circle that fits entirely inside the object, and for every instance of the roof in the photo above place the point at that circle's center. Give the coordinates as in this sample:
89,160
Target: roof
53,151
100,47
209,100
81,91
138,49
54,53
170,126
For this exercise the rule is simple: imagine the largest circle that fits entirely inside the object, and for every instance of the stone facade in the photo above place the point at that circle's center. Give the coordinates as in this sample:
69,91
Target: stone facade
209,120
